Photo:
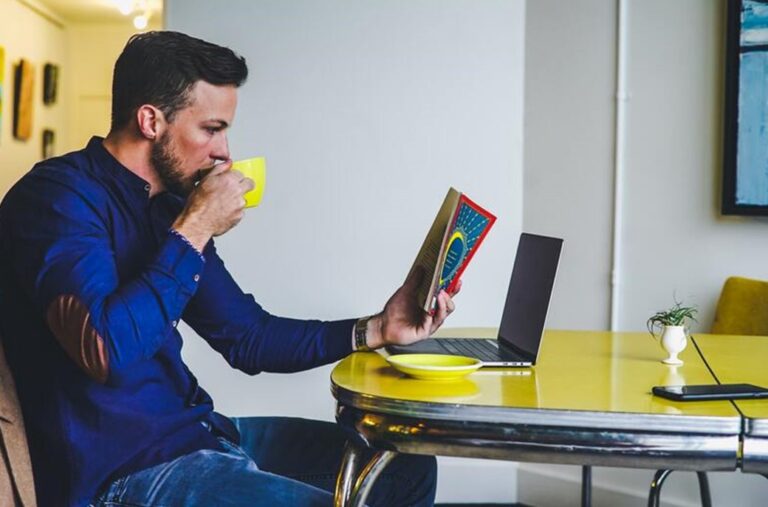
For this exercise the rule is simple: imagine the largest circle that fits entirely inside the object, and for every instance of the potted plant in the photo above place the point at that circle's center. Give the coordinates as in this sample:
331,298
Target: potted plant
671,325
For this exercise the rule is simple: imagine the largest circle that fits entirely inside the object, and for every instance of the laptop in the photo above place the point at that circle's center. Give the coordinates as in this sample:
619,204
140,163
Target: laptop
525,310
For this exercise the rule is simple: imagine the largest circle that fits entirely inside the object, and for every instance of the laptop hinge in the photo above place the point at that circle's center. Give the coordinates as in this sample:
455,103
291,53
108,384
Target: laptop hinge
504,344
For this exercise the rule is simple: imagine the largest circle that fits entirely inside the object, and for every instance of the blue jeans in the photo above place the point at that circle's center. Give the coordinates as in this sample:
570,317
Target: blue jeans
280,461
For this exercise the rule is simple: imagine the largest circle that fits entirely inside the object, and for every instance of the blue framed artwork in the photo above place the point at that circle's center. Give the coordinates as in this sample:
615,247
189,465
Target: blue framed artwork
745,168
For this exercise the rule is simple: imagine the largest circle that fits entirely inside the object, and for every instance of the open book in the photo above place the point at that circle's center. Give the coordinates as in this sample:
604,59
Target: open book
459,228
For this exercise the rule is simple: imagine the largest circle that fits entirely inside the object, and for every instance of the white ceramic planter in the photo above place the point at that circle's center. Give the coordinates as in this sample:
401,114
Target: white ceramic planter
673,341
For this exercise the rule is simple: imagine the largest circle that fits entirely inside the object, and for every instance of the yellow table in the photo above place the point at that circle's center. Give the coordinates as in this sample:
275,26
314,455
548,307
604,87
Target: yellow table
587,401
736,360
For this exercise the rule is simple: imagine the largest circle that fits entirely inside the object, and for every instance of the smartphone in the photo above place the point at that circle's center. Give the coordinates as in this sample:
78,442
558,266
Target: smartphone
711,392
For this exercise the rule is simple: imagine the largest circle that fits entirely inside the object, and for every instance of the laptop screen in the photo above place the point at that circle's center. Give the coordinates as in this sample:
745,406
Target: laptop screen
530,289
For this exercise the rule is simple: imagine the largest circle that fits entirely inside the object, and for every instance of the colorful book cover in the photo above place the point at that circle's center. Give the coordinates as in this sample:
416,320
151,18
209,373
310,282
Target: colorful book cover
454,237
470,225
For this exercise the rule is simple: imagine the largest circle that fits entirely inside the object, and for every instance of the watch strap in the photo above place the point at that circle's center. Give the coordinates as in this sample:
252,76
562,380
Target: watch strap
361,334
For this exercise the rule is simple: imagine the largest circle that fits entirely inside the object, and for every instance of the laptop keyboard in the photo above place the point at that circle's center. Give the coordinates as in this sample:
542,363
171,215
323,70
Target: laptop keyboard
480,349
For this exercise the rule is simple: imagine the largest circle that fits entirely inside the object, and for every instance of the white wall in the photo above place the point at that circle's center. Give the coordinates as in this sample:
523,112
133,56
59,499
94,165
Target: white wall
367,112
569,83
676,76
675,242
26,34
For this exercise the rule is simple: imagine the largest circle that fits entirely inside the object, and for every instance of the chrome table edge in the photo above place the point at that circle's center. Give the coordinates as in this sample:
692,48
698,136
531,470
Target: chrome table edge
754,455
535,416
756,427
542,443
755,446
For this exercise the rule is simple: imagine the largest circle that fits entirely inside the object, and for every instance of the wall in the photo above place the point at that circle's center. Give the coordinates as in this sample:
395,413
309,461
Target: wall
569,84
85,53
674,243
95,47
366,112
17,23
676,76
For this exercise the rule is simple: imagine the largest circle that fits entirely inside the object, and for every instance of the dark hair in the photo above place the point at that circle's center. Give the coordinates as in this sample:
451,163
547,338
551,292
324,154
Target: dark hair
160,68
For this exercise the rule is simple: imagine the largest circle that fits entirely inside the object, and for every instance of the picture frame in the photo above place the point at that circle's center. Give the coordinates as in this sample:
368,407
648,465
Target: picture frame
50,83
745,149
48,143
24,83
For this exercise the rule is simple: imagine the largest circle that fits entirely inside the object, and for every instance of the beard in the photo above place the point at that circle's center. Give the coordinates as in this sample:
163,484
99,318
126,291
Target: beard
167,165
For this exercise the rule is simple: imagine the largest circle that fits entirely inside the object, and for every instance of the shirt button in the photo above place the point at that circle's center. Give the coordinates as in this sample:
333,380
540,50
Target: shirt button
147,187
196,278
175,323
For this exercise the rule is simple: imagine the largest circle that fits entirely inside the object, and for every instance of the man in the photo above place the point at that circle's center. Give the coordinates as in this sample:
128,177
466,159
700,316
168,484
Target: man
104,250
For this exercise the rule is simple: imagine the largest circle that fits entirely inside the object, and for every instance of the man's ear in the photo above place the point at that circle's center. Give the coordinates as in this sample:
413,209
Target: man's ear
151,121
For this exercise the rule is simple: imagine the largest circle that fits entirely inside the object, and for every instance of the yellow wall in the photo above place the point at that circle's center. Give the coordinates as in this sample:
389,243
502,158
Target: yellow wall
85,54
93,49
26,34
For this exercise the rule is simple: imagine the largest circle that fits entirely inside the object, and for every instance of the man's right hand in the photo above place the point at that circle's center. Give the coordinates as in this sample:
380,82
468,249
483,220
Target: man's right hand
214,206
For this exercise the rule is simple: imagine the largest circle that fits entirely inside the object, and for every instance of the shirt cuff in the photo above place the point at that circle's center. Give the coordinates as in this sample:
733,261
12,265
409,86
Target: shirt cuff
174,232
340,334
184,260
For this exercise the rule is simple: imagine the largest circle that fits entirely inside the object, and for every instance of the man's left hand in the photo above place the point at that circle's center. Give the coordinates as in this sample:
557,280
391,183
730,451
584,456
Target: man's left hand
403,321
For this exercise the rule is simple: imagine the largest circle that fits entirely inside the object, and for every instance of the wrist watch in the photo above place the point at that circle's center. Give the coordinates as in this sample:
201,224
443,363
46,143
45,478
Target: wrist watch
361,334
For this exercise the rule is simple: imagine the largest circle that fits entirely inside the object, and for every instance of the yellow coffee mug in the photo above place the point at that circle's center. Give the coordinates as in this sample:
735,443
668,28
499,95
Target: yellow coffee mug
255,169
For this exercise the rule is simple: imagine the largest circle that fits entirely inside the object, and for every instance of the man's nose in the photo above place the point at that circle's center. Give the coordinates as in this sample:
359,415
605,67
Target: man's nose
221,149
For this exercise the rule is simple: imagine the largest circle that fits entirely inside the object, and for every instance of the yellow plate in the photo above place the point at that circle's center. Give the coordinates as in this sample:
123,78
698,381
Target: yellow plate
434,366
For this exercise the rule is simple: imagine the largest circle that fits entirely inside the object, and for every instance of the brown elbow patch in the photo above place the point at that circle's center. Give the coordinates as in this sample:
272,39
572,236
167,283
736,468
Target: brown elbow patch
70,323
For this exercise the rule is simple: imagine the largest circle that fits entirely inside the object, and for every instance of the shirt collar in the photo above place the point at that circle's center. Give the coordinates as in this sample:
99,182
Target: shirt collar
121,173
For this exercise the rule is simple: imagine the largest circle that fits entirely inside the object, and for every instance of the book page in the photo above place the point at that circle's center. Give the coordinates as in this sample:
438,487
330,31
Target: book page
431,250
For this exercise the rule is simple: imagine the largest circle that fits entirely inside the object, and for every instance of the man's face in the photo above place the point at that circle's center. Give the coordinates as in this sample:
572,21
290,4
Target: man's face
196,138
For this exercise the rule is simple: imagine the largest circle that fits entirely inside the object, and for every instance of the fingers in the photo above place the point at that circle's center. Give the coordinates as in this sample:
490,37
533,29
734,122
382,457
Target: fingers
247,184
449,304
220,168
214,169
221,178
219,198
445,306
456,289
214,176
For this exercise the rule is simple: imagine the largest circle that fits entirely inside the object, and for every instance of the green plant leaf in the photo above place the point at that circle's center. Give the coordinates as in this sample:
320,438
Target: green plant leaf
678,315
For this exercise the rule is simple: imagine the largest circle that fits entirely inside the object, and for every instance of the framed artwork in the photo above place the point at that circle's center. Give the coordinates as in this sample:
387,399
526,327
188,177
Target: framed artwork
49,137
24,81
745,164
50,83
2,84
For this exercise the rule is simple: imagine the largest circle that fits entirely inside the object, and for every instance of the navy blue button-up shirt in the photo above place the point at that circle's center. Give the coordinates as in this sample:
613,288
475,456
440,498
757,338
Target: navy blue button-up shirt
92,285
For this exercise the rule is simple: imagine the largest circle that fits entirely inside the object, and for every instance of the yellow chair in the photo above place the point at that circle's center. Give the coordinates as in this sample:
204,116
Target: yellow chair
742,309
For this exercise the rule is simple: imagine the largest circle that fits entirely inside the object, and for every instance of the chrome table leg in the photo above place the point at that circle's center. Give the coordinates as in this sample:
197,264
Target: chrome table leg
706,497
368,476
347,475
654,497
586,486
353,487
